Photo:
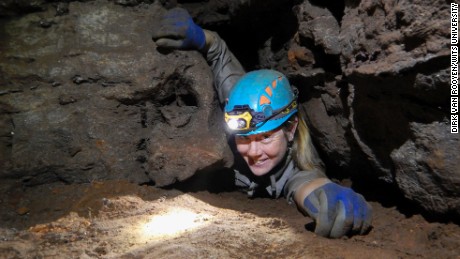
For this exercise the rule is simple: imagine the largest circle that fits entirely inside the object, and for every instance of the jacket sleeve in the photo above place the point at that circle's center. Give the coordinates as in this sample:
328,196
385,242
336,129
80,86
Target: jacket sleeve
298,179
225,67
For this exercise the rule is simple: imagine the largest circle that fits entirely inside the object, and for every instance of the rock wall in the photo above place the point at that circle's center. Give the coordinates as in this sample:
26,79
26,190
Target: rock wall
383,109
85,95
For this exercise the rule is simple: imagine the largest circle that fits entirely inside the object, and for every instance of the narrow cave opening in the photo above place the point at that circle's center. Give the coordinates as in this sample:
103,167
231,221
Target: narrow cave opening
335,7
251,27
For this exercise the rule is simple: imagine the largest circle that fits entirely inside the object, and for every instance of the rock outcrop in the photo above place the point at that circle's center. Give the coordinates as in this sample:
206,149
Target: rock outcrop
86,96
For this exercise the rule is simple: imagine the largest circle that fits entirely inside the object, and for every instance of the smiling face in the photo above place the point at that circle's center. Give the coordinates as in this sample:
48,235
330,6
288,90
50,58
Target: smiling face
262,152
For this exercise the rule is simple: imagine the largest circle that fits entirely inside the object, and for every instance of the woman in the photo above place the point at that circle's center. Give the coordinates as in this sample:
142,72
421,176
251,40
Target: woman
273,148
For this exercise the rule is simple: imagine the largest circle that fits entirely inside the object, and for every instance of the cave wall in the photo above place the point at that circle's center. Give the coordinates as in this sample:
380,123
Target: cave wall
383,110
85,95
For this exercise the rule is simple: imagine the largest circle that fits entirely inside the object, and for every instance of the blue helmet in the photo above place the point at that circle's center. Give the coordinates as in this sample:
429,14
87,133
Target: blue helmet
260,101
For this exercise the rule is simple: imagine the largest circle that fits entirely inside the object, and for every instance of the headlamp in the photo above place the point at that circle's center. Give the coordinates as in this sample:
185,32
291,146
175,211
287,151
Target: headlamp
242,118
238,119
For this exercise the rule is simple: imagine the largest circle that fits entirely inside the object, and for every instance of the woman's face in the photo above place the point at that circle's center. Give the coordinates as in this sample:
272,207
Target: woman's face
262,152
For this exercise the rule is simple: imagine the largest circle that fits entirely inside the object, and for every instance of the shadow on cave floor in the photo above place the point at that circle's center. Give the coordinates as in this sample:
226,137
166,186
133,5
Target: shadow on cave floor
386,194
22,207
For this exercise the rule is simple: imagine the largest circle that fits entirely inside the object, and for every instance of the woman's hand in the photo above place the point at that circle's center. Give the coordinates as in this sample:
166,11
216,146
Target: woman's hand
176,30
338,211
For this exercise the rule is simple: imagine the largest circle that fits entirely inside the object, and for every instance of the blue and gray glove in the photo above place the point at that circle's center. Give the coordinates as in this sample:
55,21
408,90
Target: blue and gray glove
338,211
176,30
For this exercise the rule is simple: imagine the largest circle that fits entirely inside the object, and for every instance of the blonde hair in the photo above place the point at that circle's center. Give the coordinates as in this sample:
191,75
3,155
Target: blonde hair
303,151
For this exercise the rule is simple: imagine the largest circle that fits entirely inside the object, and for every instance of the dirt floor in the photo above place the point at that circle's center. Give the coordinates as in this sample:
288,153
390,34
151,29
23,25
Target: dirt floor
117,219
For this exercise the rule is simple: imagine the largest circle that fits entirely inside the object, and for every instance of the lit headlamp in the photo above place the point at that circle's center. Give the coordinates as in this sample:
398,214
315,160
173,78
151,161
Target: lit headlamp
239,119
243,118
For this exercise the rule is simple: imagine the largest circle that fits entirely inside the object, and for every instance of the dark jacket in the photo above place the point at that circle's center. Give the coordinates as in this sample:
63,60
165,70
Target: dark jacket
284,178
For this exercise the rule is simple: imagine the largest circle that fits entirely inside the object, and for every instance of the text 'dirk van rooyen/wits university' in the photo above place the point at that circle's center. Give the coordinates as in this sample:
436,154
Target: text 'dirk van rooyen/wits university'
454,68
